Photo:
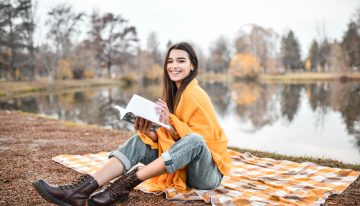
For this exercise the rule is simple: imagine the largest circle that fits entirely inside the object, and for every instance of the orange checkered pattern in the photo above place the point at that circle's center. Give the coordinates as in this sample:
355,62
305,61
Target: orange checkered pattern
252,181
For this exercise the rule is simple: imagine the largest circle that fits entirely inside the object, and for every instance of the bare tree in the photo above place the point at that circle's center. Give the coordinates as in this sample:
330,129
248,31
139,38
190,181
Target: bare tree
28,19
357,18
337,58
153,47
219,58
259,42
16,36
324,47
62,23
113,39
46,61
83,60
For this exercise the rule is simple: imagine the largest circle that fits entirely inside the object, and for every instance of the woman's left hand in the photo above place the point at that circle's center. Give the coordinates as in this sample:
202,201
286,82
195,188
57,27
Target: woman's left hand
163,110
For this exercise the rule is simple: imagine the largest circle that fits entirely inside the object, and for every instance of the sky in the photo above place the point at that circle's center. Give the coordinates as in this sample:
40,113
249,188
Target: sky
203,21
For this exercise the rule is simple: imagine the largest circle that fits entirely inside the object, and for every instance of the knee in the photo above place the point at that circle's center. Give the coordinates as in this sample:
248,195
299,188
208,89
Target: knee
133,142
195,139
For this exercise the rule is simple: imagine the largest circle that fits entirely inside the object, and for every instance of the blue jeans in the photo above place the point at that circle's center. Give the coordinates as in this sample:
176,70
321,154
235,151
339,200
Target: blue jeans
190,151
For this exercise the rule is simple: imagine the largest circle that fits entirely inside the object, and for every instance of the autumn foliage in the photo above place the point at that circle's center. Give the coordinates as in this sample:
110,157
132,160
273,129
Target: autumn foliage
64,69
244,65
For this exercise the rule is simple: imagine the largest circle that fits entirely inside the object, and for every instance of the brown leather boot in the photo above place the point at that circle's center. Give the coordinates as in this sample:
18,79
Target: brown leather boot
67,195
118,191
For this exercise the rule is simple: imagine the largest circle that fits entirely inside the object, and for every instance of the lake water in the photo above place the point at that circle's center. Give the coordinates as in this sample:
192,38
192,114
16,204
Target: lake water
318,119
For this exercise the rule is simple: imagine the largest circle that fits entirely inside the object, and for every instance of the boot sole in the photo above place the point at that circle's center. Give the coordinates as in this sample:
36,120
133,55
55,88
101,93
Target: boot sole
121,199
45,194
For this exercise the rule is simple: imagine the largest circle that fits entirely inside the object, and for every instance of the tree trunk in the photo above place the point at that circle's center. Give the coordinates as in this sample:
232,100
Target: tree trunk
109,69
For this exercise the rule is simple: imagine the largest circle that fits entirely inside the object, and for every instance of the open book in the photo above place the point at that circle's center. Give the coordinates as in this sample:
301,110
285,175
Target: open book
141,107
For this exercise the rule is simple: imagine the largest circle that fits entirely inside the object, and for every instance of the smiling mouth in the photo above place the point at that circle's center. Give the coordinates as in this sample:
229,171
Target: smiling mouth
175,72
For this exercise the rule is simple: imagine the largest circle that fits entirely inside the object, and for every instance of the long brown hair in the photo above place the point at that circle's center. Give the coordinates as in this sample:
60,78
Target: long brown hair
171,94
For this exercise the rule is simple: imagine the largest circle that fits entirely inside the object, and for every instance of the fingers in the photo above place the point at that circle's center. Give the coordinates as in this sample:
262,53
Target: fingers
142,125
160,100
139,124
136,123
161,103
148,127
159,110
162,107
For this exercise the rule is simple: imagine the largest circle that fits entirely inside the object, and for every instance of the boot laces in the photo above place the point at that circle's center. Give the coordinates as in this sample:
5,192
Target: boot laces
74,185
117,186
122,184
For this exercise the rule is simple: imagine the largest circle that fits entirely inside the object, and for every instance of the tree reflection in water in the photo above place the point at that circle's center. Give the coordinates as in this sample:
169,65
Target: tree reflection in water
290,100
256,105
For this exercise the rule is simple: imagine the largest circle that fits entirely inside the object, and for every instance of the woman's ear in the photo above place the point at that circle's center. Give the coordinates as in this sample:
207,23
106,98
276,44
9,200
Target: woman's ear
192,67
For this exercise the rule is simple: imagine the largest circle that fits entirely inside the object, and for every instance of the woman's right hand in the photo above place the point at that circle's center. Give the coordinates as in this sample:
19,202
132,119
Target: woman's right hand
143,125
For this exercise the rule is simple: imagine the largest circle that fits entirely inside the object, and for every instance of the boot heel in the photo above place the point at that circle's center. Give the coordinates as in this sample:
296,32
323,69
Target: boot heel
122,198
91,203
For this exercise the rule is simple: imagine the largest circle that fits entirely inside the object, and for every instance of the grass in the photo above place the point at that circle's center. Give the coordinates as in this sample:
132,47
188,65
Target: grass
319,161
300,77
309,77
15,88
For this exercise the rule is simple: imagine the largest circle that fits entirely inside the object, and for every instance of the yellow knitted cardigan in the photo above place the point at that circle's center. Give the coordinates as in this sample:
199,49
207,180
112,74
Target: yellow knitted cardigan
194,114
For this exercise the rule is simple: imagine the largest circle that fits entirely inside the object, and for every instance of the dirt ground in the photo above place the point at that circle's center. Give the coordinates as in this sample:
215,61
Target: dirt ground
28,142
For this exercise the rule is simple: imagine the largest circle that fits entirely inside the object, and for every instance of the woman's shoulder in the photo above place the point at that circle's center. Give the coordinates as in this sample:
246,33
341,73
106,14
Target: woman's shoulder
195,93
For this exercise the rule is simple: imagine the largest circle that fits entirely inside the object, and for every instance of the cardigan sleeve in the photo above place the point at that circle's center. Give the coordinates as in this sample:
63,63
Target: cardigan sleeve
181,127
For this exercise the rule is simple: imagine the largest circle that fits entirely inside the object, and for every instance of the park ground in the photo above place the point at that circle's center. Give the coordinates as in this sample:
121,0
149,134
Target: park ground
28,141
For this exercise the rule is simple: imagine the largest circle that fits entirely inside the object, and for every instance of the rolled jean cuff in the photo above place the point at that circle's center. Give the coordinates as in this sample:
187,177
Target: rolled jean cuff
122,158
168,161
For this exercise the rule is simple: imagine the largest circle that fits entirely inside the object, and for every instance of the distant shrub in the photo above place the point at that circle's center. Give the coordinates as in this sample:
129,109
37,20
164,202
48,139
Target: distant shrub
89,74
129,78
153,75
64,70
244,65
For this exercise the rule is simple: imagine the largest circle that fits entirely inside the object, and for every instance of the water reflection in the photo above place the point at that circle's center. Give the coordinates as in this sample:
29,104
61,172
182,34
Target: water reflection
255,104
290,100
320,119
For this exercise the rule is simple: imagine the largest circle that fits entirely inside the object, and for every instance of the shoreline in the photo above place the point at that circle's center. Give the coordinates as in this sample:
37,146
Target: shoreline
303,158
15,88
321,161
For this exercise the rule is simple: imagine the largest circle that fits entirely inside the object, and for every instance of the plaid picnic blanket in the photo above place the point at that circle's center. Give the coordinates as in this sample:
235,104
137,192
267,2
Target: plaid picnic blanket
252,181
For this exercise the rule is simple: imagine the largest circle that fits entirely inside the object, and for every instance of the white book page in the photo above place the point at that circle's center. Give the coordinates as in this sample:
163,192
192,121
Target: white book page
144,108
121,110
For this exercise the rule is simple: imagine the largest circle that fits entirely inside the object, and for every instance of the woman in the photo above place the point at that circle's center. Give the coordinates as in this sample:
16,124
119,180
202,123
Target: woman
193,153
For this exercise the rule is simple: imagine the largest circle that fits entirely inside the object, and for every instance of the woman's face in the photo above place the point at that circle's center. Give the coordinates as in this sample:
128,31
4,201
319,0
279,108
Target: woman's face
178,65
